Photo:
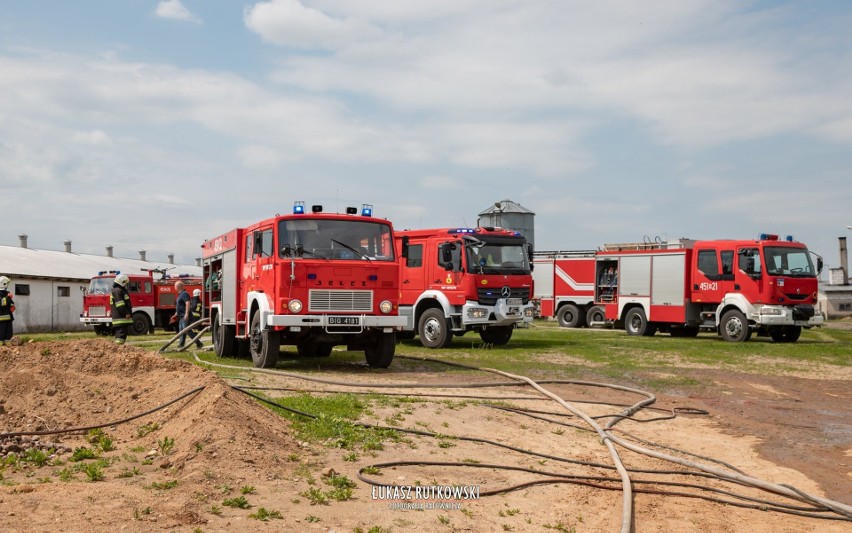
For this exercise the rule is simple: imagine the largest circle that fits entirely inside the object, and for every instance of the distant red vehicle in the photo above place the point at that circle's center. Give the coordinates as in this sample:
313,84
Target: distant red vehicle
734,287
153,300
565,287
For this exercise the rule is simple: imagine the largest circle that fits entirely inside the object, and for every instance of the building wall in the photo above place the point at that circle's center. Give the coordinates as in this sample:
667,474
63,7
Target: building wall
50,305
836,304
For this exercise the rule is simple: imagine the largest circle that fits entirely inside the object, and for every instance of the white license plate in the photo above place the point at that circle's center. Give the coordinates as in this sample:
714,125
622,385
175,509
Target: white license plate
344,320
514,301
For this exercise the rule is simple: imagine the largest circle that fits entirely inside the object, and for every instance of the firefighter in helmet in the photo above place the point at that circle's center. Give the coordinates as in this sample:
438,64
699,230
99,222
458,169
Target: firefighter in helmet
195,314
122,310
7,310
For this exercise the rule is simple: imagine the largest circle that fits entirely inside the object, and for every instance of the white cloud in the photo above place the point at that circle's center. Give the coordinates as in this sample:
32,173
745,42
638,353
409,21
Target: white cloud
290,23
93,138
175,10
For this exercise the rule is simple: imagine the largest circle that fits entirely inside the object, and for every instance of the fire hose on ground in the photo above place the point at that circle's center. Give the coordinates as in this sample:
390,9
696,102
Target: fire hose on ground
733,475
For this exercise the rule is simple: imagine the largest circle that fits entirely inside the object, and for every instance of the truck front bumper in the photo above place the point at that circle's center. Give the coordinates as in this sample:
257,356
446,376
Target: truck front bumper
501,314
94,321
776,315
337,323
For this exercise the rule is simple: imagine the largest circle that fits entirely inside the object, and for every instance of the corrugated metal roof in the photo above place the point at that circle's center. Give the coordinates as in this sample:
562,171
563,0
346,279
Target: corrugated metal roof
29,262
506,206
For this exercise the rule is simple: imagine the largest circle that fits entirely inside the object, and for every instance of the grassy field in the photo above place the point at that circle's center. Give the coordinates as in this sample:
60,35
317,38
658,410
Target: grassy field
547,350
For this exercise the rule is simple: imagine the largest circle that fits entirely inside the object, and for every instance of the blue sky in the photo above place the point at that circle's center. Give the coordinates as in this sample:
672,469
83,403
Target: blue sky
155,125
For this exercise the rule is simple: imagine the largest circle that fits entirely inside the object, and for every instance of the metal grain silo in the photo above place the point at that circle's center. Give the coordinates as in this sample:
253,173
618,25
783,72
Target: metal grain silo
510,215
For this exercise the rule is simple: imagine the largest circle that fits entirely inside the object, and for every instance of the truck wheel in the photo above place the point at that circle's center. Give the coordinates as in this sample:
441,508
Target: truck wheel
568,316
140,325
734,326
595,314
224,339
434,329
636,323
264,344
380,353
496,335
785,333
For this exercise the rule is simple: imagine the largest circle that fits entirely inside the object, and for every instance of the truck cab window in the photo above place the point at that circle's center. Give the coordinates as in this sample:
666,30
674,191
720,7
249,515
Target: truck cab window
708,264
728,265
749,261
415,256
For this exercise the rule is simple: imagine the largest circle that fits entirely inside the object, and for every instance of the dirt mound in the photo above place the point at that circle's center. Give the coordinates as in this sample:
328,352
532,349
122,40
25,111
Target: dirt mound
221,438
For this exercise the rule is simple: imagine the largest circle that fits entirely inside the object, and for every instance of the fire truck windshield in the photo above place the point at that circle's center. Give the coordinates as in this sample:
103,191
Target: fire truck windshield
785,261
497,257
335,239
100,286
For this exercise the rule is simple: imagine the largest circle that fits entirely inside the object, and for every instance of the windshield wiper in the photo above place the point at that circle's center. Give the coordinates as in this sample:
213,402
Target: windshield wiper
351,249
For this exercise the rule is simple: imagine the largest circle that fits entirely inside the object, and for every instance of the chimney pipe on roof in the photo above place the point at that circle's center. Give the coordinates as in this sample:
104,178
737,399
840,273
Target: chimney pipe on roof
142,255
109,250
23,239
844,260
68,246
171,259
198,261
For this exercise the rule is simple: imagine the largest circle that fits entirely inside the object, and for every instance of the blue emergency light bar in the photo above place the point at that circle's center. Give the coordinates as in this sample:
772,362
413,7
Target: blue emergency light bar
366,210
299,208
461,230
102,272
768,237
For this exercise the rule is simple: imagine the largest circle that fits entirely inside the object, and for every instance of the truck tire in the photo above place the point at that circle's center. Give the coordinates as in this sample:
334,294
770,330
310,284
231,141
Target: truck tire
595,314
734,326
635,323
140,325
380,353
224,339
496,335
568,316
434,329
785,333
264,344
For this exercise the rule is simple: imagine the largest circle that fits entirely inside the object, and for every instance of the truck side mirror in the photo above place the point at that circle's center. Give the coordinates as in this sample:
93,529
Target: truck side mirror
820,264
404,251
286,250
530,254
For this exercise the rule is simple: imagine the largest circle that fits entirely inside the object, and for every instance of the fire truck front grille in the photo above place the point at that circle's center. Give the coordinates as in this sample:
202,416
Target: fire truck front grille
337,301
490,295
97,311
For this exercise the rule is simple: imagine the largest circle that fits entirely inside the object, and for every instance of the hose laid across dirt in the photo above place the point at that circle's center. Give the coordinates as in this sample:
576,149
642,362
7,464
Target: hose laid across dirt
204,321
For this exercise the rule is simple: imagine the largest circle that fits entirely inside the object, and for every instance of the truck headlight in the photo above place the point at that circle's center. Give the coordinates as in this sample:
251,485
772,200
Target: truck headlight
477,312
773,311
295,306
528,311
386,306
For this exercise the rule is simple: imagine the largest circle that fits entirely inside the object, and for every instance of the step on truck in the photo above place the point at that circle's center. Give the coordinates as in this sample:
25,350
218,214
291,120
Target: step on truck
153,300
565,287
455,280
312,280
736,288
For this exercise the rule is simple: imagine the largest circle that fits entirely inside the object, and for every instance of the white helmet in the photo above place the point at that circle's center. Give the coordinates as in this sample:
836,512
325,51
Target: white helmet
122,280
196,293
4,283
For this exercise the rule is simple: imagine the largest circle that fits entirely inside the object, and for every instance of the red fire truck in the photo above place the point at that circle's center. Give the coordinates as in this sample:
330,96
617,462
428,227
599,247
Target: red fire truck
565,287
153,300
312,280
464,279
768,286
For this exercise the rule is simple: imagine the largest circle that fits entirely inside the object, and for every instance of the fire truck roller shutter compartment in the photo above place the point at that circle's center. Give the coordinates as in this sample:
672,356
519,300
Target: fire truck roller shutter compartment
668,285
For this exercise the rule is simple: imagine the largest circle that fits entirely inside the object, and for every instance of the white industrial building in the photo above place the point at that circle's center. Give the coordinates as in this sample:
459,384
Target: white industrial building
48,285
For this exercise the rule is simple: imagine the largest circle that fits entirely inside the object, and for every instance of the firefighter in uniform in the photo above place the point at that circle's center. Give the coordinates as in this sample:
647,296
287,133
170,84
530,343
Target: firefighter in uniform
7,310
195,314
122,310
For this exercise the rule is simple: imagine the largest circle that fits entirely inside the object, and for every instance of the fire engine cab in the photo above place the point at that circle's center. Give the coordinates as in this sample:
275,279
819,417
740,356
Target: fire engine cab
153,300
311,280
455,280
736,288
